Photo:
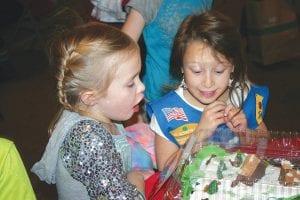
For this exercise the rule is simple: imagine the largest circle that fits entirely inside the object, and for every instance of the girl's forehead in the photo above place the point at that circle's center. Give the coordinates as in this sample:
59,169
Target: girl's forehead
199,51
129,65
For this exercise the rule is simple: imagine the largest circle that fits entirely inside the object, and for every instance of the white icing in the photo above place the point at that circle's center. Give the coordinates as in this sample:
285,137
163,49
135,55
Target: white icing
266,188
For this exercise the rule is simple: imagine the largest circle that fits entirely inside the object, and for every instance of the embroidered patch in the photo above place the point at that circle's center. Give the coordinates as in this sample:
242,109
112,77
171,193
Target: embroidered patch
259,108
174,113
183,132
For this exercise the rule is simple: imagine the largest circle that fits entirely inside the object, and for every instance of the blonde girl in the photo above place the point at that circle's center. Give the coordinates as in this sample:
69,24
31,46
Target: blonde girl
87,155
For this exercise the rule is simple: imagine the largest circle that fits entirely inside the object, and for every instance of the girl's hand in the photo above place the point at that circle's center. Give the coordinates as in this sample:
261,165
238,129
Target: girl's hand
235,119
142,174
136,178
212,117
146,173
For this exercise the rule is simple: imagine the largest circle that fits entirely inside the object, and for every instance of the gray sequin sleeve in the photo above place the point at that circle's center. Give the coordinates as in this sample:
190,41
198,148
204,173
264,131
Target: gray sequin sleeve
90,156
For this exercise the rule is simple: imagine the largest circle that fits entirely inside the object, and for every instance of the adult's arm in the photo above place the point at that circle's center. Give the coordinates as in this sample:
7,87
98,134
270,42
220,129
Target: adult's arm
134,24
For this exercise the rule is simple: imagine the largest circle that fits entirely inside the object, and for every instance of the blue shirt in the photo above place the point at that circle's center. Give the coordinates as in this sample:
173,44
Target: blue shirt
178,120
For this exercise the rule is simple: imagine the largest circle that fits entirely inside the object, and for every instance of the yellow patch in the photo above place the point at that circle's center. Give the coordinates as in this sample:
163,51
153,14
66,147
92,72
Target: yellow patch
259,108
182,133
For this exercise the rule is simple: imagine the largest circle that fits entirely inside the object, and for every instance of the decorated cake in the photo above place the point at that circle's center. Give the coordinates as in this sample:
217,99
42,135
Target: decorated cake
213,173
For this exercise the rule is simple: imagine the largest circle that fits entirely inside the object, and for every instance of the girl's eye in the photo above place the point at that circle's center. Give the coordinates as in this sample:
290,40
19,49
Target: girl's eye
197,71
219,71
130,85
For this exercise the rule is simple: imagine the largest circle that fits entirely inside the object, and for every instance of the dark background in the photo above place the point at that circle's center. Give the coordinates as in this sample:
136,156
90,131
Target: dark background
27,83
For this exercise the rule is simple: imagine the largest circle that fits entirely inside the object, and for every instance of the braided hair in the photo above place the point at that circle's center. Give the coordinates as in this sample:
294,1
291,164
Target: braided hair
87,58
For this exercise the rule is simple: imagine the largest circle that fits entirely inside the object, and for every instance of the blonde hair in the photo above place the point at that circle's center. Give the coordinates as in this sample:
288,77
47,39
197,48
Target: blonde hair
87,58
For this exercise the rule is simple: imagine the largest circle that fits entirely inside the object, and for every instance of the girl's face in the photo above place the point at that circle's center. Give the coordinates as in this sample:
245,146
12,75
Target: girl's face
124,93
206,75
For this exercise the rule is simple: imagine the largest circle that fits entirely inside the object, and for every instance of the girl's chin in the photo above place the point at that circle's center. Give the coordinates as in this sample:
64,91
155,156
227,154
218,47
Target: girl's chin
132,114
206,101
203,100
136,108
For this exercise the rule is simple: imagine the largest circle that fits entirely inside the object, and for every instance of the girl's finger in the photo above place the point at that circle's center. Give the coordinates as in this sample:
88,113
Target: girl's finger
228,108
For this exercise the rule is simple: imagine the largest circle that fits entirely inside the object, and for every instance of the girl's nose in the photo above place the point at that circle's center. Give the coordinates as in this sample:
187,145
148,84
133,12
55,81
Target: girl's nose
141,86
208,81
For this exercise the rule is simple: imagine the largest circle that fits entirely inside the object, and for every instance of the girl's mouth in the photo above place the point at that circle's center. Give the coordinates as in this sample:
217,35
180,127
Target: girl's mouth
208,94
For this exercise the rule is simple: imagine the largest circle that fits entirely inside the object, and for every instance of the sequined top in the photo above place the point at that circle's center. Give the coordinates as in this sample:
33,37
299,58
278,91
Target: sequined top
90,156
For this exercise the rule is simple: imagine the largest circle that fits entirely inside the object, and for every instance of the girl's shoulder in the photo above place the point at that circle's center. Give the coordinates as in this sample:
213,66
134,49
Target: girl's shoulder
84,133
259,89
250,88
257,93
87,127
248,93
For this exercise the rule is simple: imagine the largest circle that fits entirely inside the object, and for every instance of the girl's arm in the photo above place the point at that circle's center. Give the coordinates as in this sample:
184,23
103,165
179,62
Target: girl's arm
164,150
253,136
90,156
262,131
134,24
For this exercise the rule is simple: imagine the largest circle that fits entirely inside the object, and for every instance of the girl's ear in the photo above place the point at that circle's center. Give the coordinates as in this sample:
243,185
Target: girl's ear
88,97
